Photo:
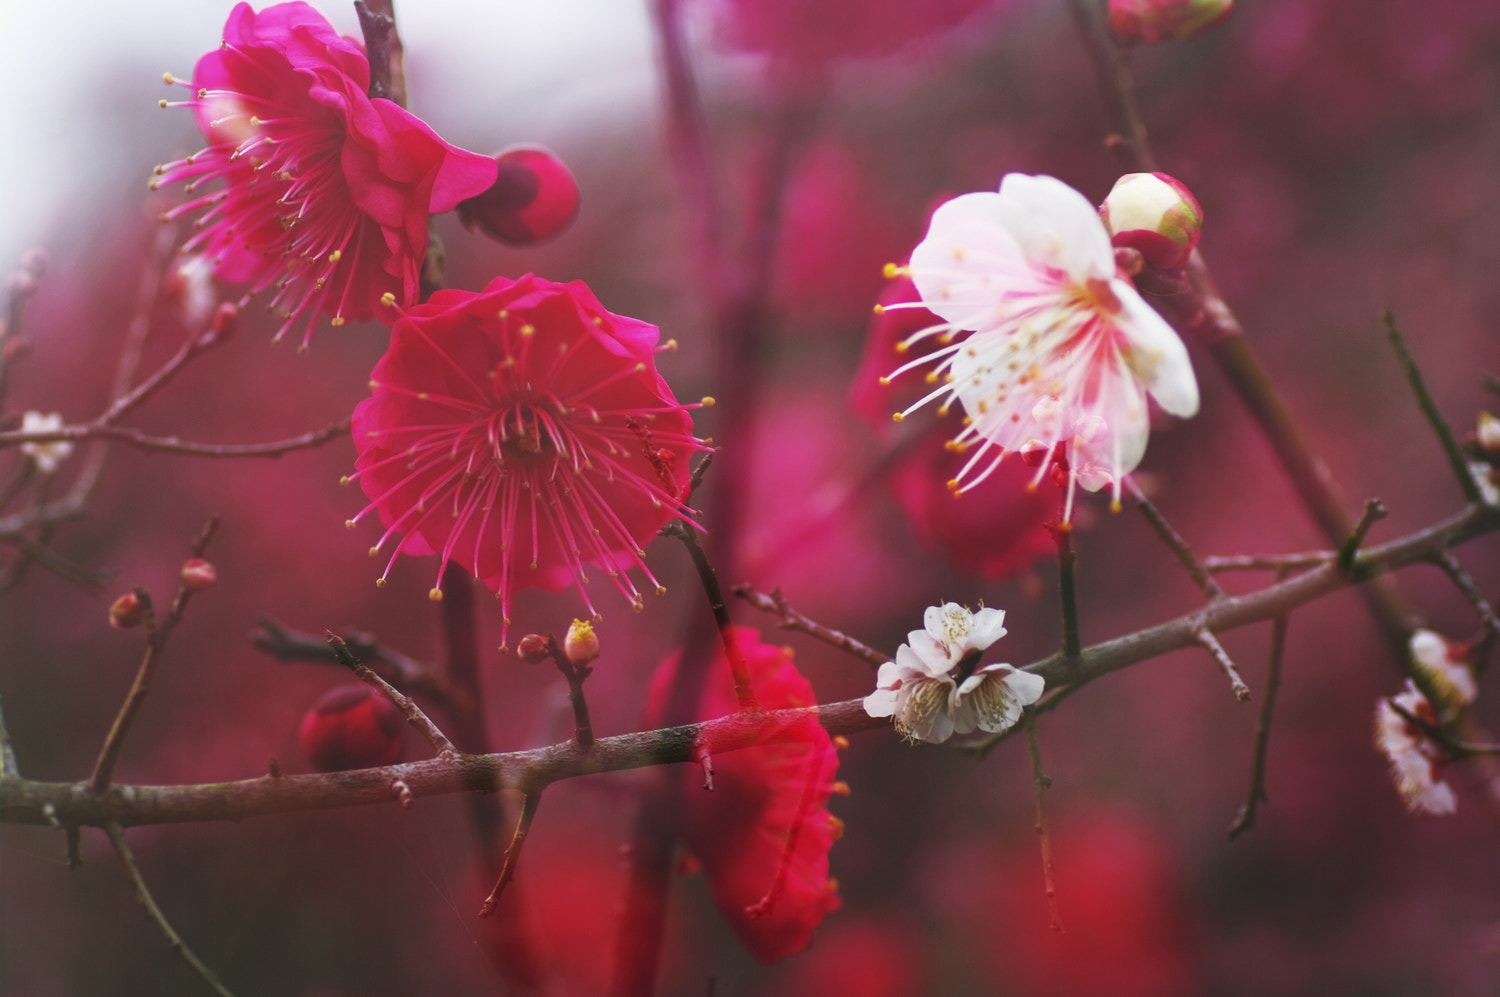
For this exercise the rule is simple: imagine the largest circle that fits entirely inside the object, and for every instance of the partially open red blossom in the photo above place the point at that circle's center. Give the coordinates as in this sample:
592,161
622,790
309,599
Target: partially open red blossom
764,832
352,727
523,433
198,574
127,611
325,192
534,197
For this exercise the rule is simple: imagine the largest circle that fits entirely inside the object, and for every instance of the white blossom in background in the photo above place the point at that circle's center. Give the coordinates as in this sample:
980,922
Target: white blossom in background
1048,347
1414,759
934,688
1444,664
48,456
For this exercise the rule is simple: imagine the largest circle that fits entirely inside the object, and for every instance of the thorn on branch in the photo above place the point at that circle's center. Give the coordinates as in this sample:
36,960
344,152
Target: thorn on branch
706,762
1211,644
529,803
1375,511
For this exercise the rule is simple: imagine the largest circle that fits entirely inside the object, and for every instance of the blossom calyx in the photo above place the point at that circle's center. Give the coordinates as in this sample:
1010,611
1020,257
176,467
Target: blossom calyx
582,644
1153,21
1155,214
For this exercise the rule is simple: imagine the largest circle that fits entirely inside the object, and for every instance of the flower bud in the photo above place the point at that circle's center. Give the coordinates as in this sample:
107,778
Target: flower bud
1445,665
352,727
198,574
1487,435
1155,214
1152,21
533,198
582,644
534,649
48,456
126,612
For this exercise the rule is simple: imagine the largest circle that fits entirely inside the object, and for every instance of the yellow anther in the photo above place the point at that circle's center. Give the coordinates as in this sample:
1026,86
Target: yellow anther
338,320
898,416
168,78
338,254
708,401
435,594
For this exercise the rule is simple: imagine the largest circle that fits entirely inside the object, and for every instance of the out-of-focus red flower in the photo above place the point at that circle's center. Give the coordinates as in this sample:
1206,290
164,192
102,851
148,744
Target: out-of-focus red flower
533,198
802,33
860,957
352,727
1153,21
994,530
326,192
764,832
522,433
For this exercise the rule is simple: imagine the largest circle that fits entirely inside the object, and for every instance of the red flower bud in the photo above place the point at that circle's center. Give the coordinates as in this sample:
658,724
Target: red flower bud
534,649
533,198
352,727
127,612
1156,215
198,574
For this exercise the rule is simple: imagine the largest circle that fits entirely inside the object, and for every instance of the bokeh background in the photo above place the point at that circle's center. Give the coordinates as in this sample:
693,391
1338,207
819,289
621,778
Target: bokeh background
1346,155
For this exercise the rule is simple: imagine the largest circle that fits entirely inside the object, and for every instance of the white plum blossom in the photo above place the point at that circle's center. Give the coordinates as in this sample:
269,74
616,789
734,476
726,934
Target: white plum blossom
1414,759
48,456
934,688
1444,664
1048,347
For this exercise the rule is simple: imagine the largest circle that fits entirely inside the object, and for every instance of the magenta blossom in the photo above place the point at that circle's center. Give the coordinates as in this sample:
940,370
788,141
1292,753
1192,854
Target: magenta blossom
326,192
522,433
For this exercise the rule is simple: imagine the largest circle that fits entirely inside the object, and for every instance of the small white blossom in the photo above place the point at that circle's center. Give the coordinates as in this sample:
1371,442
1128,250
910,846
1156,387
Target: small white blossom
934,688
48,456
1443,663
1413,757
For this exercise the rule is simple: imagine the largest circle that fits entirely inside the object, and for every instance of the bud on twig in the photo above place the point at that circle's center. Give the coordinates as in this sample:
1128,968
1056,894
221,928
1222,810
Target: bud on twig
582,644
534,649
198,574
126,612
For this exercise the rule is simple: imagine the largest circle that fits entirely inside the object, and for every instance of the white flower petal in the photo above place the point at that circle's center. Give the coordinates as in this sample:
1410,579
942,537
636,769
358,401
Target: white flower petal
1156,354
1056,226
969,263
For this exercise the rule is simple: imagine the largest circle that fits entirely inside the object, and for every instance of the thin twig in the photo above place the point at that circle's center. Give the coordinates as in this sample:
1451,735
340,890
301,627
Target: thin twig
156,640
529,803
1446,560
32,802
1269,562
1211,644
776,604
1257,795
171,444
404,703
402,671
143,894
1375,511
1175,543
1041,783
688,534
1067,558
20,285
1446,440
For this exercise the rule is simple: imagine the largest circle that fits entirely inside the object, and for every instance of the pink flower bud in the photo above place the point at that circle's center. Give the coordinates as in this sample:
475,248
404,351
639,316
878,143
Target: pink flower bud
533,198
534,649
1155,214
352,727
1152,21
127,612
581,644
198,574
